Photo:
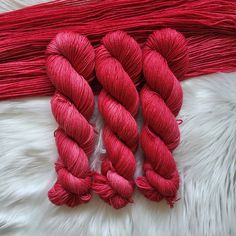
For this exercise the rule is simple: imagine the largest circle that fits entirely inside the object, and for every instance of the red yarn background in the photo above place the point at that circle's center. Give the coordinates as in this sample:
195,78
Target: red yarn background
209,26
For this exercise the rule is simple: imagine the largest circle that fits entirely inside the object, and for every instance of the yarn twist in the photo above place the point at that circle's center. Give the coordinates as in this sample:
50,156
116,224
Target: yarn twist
70,67
118,67
165,59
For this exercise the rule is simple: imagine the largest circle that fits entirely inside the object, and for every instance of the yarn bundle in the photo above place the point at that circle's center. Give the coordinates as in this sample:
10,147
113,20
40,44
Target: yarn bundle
70,66
118,69
165,62
118,63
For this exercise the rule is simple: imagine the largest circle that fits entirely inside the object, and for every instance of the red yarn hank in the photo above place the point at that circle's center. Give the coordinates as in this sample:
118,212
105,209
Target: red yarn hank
118,68
70,67
165,61
209,27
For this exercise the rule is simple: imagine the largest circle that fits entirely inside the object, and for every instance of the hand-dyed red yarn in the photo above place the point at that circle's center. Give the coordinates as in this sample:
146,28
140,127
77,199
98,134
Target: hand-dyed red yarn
118,67
165,61
70,67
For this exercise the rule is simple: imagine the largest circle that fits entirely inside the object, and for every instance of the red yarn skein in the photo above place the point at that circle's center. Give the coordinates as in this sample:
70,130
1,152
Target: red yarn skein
70,67
165,61
118,67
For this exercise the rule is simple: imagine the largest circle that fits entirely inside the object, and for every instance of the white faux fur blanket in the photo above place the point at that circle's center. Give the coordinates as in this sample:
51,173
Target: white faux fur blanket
206,160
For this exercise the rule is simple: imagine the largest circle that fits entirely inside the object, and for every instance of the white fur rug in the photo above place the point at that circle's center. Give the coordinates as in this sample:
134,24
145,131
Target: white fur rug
206,160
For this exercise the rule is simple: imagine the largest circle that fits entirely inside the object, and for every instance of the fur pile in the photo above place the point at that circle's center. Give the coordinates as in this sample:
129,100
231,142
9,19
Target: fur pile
205,159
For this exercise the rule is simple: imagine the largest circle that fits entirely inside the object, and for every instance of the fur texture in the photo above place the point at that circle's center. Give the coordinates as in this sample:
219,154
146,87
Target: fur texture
205,159
10,5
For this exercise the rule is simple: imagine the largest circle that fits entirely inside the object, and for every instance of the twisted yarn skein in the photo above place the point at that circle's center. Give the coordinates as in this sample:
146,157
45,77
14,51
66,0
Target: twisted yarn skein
118,67
70,67
165,61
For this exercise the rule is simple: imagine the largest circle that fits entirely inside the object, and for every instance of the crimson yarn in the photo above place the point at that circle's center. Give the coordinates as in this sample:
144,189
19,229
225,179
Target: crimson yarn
165,62
70,67
118,67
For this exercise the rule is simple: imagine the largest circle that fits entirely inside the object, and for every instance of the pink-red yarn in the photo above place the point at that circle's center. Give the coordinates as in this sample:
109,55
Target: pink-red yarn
165,62
70,67
209,27
118,67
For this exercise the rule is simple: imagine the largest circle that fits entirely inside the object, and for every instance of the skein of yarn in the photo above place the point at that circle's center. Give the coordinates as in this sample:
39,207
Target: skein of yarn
70,67
118,67
165,62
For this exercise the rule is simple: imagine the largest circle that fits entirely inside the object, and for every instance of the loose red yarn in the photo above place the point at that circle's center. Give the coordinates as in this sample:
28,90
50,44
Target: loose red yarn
118,67
165,61
70,67
209,27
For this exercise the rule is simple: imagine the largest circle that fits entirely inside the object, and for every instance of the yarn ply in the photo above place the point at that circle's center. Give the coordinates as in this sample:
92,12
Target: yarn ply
70,67
118,67
165,61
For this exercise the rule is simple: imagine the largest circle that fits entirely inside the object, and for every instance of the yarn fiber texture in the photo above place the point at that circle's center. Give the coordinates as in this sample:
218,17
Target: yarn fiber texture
165,62
118,68
70,67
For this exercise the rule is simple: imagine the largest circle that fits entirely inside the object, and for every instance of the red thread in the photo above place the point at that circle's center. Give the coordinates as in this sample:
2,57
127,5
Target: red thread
209,26
118,67
70,67
165,60
179,121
